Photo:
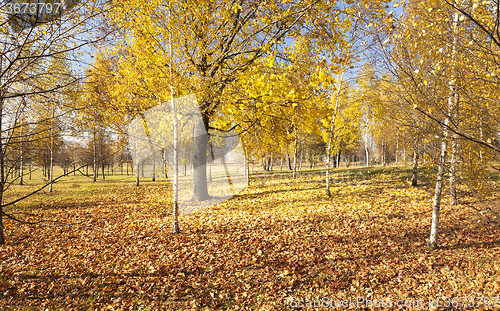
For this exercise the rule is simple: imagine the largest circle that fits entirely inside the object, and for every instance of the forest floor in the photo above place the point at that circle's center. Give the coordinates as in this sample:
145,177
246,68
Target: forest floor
277,245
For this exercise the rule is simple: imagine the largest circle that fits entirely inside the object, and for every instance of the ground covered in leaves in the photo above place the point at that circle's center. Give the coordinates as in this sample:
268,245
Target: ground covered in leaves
278,240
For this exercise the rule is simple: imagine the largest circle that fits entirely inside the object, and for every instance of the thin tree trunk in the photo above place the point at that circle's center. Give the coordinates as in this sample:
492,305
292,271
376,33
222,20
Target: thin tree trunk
367,151
397,148
21,162
404,153
453,112
175,210
331,133
164,161
301,156
212,159
433,239
137,174
481,137
51,168
453,163
452,100
154,165
271,162
295,153
414,180
94,168
383,152
247,167
2,172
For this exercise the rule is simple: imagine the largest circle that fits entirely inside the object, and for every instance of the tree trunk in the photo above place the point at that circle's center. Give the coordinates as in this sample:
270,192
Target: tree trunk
433,240
289,161
247,167
94,159
164,161
367,151
295,153
481,137
330,135
383,152
154,165
175,186
21,163
452,100
2,172
301,156
200,186
51,167
397,148
404,153
103,166
453,113
453,163
414,180
137,174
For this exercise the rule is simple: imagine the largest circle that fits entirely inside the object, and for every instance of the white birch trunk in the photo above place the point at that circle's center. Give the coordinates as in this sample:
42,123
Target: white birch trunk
175,209
481,137
453,113
433,239
51,167
295,154
94,158
21,161
330,134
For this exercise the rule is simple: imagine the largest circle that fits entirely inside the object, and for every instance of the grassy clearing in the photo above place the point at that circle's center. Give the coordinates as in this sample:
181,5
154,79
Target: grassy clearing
276,240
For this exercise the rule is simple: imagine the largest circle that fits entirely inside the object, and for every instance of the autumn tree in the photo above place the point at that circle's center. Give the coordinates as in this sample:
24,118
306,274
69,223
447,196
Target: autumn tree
432,53
29,41
214,44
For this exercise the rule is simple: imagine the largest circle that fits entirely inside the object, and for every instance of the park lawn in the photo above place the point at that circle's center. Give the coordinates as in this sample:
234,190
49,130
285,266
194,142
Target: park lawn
276,240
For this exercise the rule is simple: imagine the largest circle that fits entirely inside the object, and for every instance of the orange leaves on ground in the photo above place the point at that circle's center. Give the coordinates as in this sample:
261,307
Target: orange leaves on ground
253,252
